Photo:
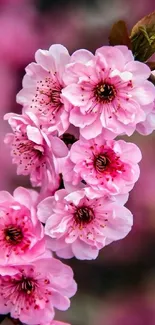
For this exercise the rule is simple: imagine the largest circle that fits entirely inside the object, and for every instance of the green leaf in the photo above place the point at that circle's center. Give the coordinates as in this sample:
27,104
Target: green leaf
143,38
119,34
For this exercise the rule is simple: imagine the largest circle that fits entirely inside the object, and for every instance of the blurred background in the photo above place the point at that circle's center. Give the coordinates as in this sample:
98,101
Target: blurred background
119,287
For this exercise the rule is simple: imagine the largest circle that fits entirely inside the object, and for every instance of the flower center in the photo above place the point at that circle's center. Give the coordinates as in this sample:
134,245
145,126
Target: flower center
55,96
13,234
25,285
105,92
84,215
101,162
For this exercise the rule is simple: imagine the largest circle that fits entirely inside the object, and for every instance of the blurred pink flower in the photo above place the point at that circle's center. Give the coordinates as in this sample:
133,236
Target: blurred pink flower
35,289
21,38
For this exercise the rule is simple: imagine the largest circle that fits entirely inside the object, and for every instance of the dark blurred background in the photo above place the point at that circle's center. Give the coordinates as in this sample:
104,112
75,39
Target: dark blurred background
119,287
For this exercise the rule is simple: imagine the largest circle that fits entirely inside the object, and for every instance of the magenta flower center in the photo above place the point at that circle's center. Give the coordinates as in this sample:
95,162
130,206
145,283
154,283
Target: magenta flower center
108,163
101,162
13,234
84,215
104,92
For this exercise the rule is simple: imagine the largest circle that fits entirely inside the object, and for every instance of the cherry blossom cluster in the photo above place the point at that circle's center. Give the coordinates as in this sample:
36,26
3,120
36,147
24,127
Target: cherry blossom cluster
73,109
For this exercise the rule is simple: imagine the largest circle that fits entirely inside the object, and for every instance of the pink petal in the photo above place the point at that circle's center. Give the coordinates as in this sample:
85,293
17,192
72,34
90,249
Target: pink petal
43,58
82,251
140,71
92,131
113,57
75,95
144,94
81,120
58,147
75,197
119,226
36,71
82,56
126,52
5,196
34,134
23,196
59,301
45,209
130,152
65,252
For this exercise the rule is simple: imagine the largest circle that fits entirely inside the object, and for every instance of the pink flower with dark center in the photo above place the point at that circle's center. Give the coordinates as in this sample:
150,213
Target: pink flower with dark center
103,164
109,91
21,233
33,151
42,87
80,225
31,292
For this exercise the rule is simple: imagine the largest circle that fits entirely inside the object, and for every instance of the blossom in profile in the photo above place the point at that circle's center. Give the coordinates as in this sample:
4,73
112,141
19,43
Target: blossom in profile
31,292
21,233
148,126
109,91
42,88
80,225
110,165
33,150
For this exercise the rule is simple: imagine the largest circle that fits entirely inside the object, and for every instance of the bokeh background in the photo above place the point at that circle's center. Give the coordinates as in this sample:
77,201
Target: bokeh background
119,287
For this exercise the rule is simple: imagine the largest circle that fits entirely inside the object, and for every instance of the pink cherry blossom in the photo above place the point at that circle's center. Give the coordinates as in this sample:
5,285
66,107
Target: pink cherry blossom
31,292
80,225
21,233
42,87
109,91
33,151
103,164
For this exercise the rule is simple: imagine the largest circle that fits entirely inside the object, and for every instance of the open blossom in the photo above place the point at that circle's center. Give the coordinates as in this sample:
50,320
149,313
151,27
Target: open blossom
108,91
21,233
42,87
31,292
33,151
80,225
103,164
